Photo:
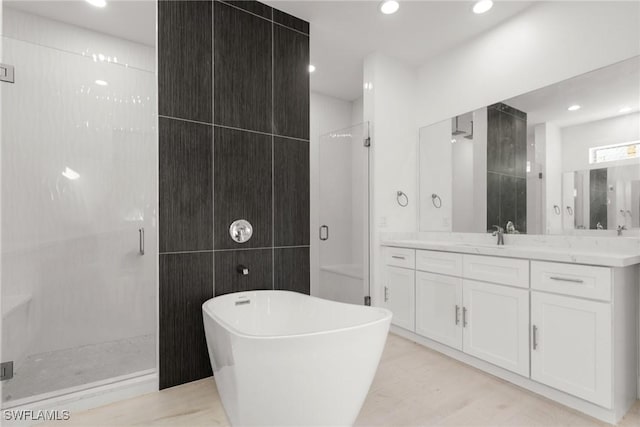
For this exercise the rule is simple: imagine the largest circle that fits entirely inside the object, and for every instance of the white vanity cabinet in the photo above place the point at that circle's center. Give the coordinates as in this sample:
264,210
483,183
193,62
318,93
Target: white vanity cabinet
439,308
486,321
399,296
496,325
571,346
565,330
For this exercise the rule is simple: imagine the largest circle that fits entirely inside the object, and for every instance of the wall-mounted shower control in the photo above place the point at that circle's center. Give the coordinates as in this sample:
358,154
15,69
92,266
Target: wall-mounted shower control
240,230
7,73
243,270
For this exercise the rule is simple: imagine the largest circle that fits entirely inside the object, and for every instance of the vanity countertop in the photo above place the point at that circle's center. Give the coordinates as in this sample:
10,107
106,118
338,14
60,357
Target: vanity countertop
540,253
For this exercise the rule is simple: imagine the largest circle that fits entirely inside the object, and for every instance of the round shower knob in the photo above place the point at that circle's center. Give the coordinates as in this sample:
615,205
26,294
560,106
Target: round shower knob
241,230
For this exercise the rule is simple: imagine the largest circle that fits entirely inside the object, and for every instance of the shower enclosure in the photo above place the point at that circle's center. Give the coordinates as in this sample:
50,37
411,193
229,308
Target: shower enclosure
344,215
79,201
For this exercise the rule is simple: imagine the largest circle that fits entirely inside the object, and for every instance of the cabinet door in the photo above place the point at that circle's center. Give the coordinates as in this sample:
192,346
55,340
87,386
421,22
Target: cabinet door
439,308
571,346
399,296
496,325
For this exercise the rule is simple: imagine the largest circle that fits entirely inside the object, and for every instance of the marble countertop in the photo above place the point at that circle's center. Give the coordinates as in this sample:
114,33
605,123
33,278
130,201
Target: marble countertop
540,253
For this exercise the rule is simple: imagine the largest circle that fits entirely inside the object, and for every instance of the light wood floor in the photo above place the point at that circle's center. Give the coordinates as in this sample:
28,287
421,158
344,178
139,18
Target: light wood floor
414,386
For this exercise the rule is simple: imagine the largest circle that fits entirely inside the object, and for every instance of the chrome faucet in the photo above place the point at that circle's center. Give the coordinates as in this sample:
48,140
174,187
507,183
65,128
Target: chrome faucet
500,233
510,228
620,229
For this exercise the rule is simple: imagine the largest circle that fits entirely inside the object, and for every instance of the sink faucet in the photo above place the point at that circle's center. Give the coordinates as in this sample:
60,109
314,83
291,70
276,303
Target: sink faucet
510,228
620,229
500,233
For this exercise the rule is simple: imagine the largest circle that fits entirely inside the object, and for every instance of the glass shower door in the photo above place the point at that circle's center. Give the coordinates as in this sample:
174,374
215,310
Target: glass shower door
344,215
79,209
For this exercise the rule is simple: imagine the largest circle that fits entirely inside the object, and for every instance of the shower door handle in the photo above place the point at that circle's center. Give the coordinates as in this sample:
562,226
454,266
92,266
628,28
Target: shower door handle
141,240
325,235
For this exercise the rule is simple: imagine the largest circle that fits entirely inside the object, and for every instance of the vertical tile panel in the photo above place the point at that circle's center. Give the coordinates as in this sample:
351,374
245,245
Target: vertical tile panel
520,142
242,186
184,60
598,198
493,200
508,200
186,282
291,192
290,83
521,205
493,135
259,262
290,21
292,272
185,201
506,140
242,69
254,7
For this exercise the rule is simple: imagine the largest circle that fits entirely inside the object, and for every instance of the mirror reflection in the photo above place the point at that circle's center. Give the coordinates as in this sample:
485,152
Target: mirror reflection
560,159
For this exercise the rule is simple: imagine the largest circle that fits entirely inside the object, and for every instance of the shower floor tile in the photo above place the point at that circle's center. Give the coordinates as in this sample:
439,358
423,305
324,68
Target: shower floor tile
57,370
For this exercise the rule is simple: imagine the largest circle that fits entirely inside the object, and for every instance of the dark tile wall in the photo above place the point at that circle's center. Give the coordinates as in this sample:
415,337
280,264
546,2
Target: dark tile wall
234,143
598,198
506,167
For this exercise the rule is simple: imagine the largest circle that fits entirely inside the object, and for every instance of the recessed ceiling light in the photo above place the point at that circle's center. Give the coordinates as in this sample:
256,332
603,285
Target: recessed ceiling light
101,83
574,107
312,68
97,3
482,6
625,110
388,7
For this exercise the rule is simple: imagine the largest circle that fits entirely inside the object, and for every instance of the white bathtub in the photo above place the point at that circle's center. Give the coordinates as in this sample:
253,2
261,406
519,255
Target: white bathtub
284,358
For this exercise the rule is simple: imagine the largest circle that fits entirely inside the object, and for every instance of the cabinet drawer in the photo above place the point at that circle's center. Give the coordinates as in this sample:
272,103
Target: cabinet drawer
439,262
400,257
506,271
576,280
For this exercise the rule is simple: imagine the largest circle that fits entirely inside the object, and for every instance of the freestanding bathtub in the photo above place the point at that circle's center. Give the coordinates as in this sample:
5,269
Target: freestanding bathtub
284,358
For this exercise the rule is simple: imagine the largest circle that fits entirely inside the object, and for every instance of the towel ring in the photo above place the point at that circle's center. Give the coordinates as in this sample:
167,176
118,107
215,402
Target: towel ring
556,209
399,196
570,210
436,200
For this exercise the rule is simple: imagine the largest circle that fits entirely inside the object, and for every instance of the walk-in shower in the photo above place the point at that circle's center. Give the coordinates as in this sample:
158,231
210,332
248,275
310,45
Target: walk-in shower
344,215
79,197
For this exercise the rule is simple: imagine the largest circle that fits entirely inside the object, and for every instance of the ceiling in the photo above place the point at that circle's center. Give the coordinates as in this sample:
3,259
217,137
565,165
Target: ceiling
600,93
133,20
343,33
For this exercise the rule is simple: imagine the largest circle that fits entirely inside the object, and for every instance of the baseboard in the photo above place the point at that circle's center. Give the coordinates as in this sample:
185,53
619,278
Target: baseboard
595,411
82,398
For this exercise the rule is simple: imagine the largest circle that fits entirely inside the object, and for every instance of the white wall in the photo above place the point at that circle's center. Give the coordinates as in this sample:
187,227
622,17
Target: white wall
547,43
436,176
548,135
389,105
576,141
357,114
480,123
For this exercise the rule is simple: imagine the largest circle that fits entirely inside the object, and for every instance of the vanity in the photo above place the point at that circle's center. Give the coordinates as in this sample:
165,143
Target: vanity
561,323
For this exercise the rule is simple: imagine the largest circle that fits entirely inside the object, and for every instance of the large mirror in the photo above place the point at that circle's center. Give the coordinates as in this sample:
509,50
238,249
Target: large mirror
560,159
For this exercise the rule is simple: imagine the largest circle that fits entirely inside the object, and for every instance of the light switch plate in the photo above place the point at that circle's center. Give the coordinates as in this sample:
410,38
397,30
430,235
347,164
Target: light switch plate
7,73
